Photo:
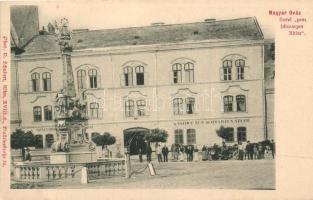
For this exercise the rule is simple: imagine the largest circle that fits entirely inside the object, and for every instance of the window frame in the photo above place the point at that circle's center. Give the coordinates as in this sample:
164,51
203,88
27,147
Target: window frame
241,99
128,76
177,73
189,72
35,77
48,116
81,79
227,70
178,108
179,136
241,133
94,110
46,81
191,136
232,138
37,114
240,66
141,107
190,101
140,71
228,103
93,78
129,108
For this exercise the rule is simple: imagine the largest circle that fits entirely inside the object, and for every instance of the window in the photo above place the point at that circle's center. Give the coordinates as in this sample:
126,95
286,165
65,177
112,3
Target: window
94,110
49,140
92,78
240,65
35,81
129,108
178,106
189,72
46,78
230,137
177,73
241,134
191,136
228,103
241,103
128,76
141,104
81,79
179,137
140,78
227,65
37,113
48,113
190,105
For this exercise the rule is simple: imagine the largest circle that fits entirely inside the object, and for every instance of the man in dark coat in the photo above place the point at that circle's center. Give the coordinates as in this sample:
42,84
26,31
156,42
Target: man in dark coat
165,153
149,152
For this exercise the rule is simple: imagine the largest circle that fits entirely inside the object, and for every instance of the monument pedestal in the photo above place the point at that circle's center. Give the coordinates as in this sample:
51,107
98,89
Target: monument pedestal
59,157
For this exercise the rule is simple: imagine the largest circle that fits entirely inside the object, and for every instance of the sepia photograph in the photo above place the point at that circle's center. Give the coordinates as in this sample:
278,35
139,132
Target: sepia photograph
164,103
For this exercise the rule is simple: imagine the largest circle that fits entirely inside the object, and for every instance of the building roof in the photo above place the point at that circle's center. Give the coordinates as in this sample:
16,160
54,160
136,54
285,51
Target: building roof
236,29
25,22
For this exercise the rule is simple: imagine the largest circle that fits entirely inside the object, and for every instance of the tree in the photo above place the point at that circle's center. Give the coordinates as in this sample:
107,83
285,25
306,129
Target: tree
225,133
156,135
104,139
21,139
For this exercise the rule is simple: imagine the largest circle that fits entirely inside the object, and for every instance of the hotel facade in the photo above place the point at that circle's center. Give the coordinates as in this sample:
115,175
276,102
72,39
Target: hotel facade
188,79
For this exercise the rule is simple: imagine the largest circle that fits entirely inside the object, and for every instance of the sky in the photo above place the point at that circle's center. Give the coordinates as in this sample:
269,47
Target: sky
116,14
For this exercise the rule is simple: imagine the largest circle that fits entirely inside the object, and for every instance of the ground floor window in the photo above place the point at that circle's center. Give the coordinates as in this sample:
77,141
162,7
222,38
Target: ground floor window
49,140
241,134
230,137
191,136
38,141
179,137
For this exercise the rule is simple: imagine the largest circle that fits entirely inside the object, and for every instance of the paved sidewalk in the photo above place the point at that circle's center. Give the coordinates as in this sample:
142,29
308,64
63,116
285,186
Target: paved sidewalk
231,174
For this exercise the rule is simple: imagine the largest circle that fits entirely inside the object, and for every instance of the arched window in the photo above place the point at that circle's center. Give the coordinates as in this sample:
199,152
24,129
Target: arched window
46,79
178,106
179,137
228,103
190,105
128,76
141,105
227,65
37,113
189,72
140,77
240,65
177,73
35,81
241,134
93,75
129,108
81,79
241,103
191,136
94,110
47,113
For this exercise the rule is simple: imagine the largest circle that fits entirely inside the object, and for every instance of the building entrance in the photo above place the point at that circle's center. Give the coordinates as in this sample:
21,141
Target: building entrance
134,139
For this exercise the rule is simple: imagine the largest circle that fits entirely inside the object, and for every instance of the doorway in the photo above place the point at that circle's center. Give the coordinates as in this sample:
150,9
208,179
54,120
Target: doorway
134,138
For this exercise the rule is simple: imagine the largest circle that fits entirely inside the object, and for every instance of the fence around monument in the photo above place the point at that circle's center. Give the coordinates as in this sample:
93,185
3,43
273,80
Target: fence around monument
42,172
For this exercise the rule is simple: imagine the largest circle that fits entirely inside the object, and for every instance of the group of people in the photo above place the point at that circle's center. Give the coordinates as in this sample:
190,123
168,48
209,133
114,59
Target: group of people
254,151
240,151
162,153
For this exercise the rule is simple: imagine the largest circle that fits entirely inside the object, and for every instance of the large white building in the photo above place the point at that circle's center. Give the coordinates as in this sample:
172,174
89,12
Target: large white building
188,79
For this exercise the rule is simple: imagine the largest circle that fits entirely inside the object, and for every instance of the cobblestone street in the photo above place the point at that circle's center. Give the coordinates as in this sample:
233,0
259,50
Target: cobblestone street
231,174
